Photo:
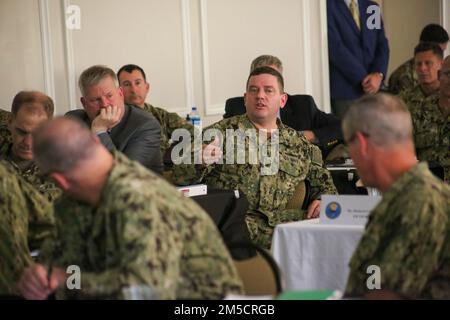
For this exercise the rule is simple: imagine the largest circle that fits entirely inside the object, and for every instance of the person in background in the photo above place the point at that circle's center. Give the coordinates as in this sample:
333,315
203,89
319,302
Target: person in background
431,125
427,63
118,125
29,109
404,77
358,52
133,81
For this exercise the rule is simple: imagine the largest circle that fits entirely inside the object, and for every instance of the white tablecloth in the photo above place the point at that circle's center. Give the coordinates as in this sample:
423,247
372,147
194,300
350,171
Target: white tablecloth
312,256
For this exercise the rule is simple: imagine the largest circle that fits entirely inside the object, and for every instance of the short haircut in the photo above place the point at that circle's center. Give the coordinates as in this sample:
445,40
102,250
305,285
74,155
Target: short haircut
266,60
130,68
26,97
382,117
93,76
59,145
429,46
267,70
434,33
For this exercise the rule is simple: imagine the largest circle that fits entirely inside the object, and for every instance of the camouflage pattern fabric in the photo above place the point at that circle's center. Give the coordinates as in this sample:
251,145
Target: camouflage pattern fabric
431,130
4,117
268,195
5,138
169,121
403,78
408,238
26,220
144,232
30,171
415,97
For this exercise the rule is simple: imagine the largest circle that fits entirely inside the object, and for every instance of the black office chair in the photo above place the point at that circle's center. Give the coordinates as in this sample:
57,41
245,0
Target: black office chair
228,208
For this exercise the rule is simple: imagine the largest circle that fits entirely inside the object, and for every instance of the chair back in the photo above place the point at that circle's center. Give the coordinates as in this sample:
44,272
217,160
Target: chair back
260,274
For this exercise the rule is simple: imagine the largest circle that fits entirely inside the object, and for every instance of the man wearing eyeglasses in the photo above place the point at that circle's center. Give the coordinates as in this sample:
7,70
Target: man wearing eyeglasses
431,125
407,234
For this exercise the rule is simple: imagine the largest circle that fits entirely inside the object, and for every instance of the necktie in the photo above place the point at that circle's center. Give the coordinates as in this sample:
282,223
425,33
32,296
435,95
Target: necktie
355,13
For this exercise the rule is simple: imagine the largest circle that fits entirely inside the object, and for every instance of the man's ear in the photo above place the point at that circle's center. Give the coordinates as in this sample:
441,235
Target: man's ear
60,180
284,98
363,144
83,101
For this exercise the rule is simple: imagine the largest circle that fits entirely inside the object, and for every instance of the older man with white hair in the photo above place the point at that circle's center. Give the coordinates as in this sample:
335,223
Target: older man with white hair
408,232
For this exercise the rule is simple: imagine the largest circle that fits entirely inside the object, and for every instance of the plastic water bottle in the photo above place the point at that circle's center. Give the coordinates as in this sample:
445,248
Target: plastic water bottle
195,119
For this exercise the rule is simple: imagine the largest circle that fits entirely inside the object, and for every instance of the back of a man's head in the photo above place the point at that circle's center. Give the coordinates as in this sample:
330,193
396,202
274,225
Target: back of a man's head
267,60
434,33
382,117
62,144
93,75
35,101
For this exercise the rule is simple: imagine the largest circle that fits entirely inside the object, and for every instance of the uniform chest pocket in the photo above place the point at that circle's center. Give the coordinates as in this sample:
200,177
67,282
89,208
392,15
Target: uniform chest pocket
291,191
293,166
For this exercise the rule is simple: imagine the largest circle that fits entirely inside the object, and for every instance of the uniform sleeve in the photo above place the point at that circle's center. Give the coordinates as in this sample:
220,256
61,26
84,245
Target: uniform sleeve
413,253
14,253
41,220
410,257
144,146
318,176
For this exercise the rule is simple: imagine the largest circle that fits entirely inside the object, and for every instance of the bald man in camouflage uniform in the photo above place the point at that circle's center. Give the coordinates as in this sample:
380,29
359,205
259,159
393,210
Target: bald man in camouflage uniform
29,109
431,125
123,226
408,233
26,220
270,192
133,82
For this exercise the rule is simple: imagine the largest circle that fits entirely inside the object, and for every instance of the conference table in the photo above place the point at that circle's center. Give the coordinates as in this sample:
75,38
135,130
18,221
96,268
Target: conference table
314,256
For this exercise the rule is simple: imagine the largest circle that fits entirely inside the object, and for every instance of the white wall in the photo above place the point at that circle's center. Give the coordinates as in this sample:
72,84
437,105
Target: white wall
404,20
193,51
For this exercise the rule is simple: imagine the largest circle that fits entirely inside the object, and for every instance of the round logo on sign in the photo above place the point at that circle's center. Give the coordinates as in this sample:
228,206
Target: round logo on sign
333,210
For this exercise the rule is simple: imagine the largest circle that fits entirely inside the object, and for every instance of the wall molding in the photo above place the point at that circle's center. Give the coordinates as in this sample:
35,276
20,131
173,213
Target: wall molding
187,57
445,19
46,45
306,46
325,80
69,58
210,109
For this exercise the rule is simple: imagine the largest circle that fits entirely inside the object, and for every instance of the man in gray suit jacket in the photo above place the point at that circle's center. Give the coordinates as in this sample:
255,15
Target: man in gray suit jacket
119,126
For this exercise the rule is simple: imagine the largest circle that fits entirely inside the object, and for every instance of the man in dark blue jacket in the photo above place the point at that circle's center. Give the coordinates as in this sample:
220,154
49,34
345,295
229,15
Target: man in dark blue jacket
358,51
